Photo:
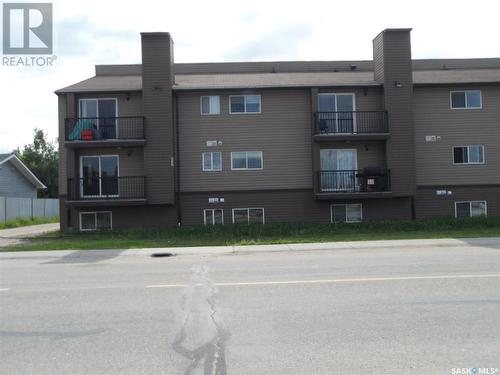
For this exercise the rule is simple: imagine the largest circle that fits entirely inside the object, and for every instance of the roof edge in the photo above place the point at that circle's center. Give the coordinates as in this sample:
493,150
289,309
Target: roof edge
24,170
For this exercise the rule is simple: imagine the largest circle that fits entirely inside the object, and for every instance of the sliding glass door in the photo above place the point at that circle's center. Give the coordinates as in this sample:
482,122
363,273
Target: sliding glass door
102,113
99,176
337,113
338,169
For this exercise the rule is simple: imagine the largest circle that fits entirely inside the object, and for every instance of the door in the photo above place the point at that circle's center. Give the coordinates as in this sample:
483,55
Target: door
336,113
103,113
338,169
99,176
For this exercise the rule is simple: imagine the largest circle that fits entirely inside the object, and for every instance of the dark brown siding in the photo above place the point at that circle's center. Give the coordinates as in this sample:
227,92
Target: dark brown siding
287,206
397,71
157,81
429,204
126,217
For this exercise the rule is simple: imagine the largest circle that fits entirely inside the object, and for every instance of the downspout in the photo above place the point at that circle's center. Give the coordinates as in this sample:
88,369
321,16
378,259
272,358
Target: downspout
177,162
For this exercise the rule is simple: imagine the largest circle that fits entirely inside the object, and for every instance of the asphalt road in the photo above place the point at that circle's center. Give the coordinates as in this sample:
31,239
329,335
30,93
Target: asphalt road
426,310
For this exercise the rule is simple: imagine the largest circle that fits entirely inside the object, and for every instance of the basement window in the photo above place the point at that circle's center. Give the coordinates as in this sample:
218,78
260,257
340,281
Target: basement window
213,216
248,215
470,209
93,221
346,213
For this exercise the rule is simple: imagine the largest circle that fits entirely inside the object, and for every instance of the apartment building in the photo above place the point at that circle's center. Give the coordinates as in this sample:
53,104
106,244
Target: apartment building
160,143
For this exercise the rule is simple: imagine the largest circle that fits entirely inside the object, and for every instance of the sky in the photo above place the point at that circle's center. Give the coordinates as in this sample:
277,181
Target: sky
92,32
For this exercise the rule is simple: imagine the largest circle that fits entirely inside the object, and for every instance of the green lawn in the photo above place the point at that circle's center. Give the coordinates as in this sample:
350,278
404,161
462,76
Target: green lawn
30,221
265,234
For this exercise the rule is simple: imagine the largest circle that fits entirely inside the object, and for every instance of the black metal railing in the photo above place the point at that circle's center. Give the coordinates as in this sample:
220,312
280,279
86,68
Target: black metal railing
130,187
366,180
102,128
354,122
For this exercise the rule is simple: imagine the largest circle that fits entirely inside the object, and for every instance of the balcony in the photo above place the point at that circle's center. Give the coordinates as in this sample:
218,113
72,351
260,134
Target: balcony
106,190
373,182
354,125
104,131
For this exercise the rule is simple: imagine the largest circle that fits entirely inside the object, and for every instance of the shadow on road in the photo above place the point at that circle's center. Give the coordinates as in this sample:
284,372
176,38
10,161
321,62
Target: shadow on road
84,256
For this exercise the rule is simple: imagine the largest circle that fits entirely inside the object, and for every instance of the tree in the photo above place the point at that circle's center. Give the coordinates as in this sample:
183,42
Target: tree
42,158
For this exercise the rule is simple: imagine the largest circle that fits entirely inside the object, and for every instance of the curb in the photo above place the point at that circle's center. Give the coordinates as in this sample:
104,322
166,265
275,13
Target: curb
225,250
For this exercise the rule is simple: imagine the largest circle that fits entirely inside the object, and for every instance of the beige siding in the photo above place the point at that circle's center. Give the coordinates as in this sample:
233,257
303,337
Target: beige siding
393,59
433,116
282,131
129,104
131,160
157,104
366,99
369,154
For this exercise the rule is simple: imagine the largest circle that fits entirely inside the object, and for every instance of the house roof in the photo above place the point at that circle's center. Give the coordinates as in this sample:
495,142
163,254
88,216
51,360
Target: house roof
116,83
22,168
283,74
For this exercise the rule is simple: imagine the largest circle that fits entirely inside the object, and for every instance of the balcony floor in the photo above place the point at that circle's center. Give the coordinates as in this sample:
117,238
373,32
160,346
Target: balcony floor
351,137
105,143
329,195
106,202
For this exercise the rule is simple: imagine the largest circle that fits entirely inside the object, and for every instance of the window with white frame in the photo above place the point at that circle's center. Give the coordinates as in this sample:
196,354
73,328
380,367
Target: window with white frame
470,209
465,99
346,213
246,160
212,161
244,104
468,154
210,105
92,221
248,215
212,216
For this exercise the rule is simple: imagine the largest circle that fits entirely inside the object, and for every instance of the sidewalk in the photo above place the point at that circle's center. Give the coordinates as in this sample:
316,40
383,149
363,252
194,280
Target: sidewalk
12,236
222,250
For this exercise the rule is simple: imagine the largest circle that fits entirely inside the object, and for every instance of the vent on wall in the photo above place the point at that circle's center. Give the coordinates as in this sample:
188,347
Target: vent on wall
432,138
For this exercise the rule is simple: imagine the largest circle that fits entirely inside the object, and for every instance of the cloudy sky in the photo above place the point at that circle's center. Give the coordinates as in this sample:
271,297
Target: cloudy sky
107,32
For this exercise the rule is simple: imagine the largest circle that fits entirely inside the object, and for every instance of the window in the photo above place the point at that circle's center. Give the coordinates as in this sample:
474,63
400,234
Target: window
99,176
100,114
246,160
465,99
213,216
468,154
470,209
248,215
210,105
346,213
90,221
244,104
212,161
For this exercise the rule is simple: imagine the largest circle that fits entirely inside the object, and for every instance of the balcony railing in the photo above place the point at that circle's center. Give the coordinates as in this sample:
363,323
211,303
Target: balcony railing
354,122
103,128
366,180
105,188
